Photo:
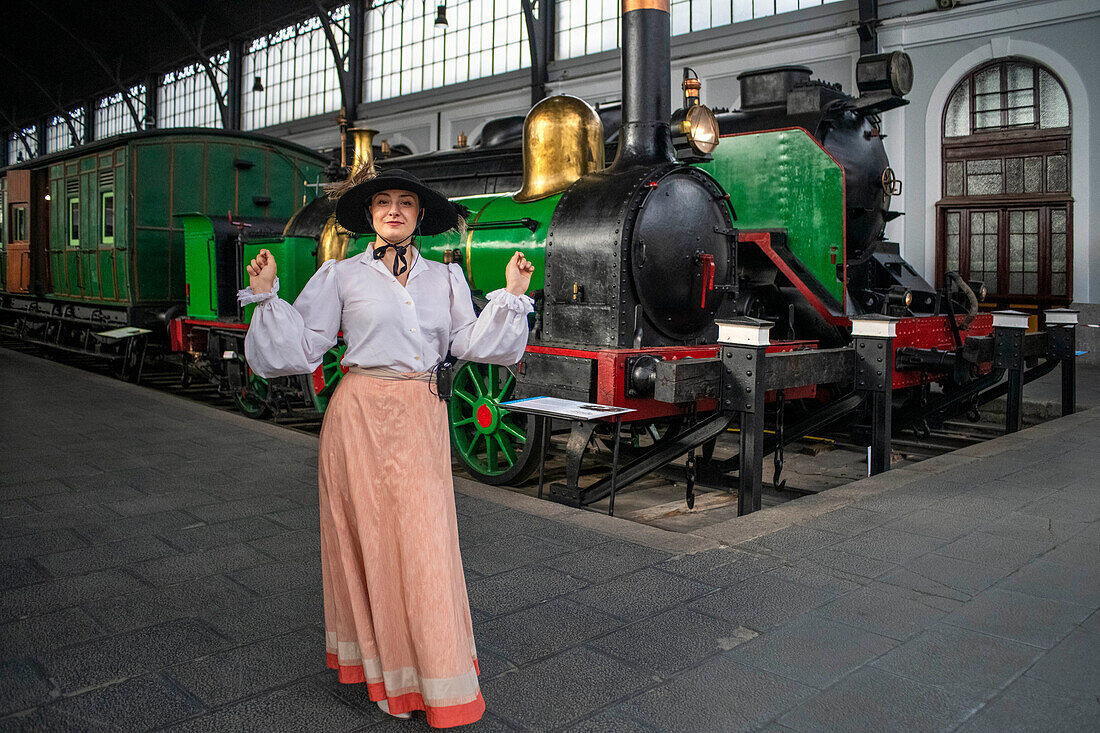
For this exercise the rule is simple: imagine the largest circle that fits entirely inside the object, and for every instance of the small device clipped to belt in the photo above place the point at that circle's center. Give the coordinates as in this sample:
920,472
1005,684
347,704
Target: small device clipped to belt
445,378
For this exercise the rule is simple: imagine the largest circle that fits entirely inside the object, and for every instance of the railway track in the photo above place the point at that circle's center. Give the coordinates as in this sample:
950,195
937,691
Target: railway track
825,461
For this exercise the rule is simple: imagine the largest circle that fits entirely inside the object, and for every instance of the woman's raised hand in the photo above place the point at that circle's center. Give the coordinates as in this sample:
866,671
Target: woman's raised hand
261,272
517,274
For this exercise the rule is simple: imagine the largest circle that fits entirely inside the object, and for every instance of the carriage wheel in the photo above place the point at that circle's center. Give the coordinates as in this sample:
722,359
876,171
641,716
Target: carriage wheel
496,446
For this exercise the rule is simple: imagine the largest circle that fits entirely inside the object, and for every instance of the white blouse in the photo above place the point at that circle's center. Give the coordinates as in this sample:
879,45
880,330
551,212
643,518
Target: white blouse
408,328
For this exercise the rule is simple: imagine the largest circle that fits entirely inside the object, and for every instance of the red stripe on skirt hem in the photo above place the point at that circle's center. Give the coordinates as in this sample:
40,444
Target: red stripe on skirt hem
438,717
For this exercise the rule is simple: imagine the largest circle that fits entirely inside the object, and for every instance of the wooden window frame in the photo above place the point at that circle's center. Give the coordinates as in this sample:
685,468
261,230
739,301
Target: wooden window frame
19,216
1045,275
107,239
71,220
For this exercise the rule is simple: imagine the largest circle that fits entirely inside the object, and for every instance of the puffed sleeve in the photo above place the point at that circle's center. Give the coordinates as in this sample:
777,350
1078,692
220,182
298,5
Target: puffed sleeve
498,335
286,339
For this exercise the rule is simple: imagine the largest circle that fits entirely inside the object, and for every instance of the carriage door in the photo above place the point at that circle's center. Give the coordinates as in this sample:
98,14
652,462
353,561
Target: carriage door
1006,213
18,274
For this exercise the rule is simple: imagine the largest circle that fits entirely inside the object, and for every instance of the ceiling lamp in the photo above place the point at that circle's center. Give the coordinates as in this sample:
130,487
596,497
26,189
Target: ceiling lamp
441,15
257,84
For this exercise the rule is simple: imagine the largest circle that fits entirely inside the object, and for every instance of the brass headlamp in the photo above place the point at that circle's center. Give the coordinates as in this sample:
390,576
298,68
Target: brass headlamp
695,132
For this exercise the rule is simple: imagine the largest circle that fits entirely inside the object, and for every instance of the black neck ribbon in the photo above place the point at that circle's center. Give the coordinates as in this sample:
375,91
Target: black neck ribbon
400,263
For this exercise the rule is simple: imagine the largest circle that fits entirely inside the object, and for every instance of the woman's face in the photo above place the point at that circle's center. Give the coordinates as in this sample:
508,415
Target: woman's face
395,214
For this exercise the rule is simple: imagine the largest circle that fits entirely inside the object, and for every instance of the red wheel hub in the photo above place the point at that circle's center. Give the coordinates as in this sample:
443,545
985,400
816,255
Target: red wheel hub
484,416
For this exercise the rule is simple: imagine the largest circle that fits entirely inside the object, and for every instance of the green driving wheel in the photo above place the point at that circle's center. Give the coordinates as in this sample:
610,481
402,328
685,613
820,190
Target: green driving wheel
331,373
496,446
251,398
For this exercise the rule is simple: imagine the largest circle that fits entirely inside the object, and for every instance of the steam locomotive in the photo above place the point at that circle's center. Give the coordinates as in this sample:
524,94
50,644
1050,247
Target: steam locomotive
776,211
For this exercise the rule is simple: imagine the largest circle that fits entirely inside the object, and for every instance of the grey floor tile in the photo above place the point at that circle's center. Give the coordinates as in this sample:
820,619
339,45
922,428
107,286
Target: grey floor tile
1075,550
606,560
865,567
894,503
220,678
807,571
873,700
979,506
961,575
718,695
571,686
497,595
507,553
889,545
142,703
53,595
41,634
285,545
23,684
995,550
762,602
794,541
609,721
1078,583
181,568
887,610
673,641
933,523
637,595
280,577
847,521
256,619
113,554
112,658
1038,621
1074,664
1033,527
252,506
39,543
721,568
811,650
202,536
911,580
959,658
542,630
21,573
474,507
298,707
1032,705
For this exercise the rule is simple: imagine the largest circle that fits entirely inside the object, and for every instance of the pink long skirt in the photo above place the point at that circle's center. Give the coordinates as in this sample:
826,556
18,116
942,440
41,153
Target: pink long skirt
396,613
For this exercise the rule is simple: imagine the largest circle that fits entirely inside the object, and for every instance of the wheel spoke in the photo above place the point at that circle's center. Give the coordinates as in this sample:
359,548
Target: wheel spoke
491,455
469,398
514,432
466,421
507,386
506,449
476,377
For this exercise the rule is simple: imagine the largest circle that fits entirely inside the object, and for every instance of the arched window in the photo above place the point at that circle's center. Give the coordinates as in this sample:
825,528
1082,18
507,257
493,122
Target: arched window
1005,214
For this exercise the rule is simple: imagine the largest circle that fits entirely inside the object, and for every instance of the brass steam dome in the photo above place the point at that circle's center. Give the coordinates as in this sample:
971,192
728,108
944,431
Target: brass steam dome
562,141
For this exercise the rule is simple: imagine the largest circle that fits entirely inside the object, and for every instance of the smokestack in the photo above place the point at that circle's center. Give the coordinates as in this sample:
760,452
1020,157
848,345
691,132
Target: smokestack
647,80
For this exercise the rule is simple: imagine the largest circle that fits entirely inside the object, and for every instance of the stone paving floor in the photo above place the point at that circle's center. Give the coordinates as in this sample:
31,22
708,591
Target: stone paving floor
160,571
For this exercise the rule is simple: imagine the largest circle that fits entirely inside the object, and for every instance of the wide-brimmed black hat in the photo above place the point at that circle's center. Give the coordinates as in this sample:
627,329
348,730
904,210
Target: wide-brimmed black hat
353,208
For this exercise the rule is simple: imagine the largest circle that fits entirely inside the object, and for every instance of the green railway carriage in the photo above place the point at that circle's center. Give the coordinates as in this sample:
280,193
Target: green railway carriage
96,243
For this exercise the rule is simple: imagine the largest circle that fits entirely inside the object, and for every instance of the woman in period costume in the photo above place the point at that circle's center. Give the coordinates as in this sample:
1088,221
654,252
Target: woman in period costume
396,612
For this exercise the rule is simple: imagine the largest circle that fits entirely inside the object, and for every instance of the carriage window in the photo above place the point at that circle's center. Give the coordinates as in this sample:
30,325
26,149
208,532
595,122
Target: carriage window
19,224
74,222
107,217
